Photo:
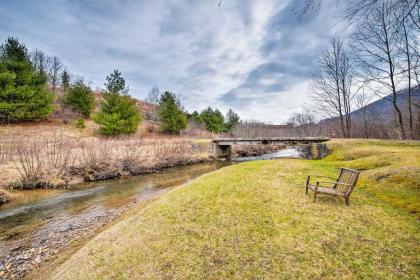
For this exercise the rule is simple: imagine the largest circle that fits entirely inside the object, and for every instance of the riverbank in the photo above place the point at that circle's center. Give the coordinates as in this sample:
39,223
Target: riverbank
62,156
57,157
253,220
54,222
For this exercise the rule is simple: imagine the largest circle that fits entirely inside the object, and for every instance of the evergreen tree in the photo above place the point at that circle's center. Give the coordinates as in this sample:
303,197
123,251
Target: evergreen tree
23,92
119,112
116,83
195,116
213,120
232,119
65,80
80,98
171,114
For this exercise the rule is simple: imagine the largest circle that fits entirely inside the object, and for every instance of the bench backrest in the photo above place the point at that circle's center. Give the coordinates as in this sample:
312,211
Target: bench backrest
348,177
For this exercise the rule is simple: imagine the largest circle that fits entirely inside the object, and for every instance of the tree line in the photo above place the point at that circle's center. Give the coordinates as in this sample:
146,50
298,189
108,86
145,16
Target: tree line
174,118
30,82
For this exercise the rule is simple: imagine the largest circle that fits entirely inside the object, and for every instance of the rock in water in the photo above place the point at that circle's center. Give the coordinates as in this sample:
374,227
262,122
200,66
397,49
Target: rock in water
3,197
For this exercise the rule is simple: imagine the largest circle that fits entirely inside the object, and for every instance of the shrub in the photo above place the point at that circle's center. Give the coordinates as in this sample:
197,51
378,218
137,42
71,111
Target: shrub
23,91
79,123
39,158
80,98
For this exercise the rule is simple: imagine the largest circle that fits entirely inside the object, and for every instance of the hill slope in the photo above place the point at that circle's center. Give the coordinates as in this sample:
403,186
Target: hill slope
384,108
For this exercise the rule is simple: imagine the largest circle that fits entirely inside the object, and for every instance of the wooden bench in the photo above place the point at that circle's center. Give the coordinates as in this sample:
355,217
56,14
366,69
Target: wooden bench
343,186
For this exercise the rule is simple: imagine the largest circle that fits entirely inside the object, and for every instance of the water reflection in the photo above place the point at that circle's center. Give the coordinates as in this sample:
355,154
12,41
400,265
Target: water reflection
289,152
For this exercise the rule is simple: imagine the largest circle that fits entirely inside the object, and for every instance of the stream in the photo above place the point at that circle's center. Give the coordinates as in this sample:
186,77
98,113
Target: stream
41,223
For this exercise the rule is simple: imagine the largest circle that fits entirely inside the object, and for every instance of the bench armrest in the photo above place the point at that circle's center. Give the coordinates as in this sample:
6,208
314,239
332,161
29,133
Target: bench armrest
335,182
327,182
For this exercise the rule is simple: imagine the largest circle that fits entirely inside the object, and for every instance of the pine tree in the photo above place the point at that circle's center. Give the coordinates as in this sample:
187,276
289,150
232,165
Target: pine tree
173,119
195,116
65,80
232,119
116,83
80,98
119,113
23,92
213,119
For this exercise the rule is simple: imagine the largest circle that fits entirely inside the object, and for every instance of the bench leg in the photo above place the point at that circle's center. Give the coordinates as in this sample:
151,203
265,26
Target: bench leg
347,200
314,196
307,183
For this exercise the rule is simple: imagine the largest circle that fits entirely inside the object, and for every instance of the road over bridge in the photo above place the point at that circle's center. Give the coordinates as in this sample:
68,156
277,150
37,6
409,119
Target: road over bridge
223,146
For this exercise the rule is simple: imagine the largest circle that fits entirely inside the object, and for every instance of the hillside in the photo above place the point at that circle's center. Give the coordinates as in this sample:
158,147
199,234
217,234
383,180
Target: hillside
65,115
383,107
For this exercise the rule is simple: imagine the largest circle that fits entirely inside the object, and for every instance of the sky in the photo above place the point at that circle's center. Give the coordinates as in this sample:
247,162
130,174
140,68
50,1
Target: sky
254,56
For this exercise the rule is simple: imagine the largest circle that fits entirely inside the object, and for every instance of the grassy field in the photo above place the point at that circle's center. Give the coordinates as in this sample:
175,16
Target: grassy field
253,221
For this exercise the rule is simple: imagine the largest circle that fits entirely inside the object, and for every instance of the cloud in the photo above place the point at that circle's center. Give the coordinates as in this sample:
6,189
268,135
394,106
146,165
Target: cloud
253,56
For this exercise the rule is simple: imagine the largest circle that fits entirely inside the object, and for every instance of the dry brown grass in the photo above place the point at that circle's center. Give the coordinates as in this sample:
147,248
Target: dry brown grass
52,155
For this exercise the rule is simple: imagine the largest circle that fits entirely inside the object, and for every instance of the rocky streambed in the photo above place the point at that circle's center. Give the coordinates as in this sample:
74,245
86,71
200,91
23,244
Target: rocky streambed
22,256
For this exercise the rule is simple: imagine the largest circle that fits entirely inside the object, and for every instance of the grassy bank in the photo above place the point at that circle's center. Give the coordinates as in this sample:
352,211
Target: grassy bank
252,220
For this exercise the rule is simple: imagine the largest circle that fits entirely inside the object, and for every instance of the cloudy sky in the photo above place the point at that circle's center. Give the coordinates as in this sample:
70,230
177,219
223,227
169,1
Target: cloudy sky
254,56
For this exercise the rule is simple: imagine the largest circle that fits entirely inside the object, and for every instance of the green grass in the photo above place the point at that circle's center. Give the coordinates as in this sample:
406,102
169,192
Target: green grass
253,221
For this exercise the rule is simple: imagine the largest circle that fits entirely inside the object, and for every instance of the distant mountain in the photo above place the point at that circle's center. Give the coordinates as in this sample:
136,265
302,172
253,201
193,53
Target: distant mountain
383,107
381,120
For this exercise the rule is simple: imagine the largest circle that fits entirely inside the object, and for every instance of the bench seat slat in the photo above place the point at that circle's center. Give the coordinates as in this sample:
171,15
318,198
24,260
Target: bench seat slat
326,190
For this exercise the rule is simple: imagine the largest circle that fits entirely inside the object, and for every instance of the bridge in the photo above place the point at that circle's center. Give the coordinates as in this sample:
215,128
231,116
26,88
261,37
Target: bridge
223,147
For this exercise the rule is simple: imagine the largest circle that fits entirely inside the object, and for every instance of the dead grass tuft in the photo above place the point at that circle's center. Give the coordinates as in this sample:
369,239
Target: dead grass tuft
54,159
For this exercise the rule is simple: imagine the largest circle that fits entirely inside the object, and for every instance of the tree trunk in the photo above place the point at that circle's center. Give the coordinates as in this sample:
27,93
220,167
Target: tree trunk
340,110
407,52
391,76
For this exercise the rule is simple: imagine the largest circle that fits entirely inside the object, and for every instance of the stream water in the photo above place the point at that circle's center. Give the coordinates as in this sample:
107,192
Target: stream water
290,152
46,208
41,222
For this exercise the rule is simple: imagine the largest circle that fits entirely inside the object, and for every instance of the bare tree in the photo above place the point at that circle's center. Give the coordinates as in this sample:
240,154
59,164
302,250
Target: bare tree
40,61
303,124
362,100
409,47
358,9
153,96
376,49
54,71
331,94
303,7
